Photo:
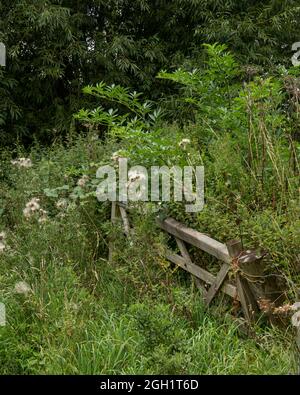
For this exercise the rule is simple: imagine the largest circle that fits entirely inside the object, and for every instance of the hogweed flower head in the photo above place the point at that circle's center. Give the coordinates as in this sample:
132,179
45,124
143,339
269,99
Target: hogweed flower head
22,162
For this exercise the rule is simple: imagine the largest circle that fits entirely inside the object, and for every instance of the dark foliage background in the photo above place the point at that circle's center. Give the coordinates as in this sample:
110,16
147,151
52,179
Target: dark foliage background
57,47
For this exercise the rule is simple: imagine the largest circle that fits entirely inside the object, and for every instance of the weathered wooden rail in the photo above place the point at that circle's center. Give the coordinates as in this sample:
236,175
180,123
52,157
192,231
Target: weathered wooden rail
246,266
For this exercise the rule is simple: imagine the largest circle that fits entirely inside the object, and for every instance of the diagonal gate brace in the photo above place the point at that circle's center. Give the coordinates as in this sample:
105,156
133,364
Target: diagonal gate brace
186,256
216,285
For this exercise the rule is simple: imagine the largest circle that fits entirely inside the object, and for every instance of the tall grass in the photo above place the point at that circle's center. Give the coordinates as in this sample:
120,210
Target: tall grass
82,315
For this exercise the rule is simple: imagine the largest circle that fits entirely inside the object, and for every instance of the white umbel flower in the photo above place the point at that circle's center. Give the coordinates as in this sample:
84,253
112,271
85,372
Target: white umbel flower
184,142
134,175
22,162
115,156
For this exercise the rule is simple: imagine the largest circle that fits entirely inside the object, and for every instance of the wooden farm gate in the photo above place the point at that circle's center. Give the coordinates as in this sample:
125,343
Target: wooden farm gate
247,266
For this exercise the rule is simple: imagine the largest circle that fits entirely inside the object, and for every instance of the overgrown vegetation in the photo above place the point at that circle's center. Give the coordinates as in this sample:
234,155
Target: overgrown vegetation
69,311
88,83
245,138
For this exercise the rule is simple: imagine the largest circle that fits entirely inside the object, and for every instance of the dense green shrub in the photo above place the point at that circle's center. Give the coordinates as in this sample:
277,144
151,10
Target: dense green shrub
245,139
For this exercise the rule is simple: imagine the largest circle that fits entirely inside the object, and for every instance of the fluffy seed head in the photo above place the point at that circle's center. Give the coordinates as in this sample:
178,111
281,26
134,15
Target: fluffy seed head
82,181
22,162
22,288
